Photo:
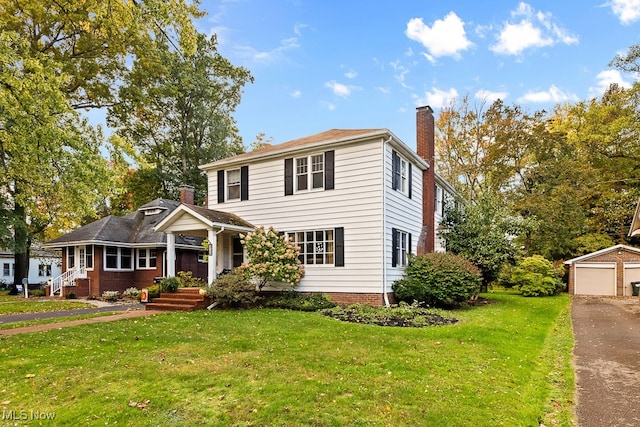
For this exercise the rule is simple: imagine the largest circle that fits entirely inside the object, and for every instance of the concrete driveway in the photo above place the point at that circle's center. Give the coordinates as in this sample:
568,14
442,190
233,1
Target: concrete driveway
607,361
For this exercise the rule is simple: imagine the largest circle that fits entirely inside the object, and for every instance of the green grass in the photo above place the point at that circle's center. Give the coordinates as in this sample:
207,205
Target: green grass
507,363
22,324
14,304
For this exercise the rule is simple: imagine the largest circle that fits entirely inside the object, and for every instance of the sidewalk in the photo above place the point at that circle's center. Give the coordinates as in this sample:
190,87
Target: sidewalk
132,310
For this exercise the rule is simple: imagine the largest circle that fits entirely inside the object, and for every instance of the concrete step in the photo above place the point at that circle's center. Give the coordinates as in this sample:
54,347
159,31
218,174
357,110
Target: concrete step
184,296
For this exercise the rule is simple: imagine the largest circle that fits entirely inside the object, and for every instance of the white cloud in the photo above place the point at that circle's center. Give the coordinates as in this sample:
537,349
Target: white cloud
446,37
268,56
384,90
436,98
400,73
351,74
295,94
490,96
553,94
605,79
535,29
628,11
340,89
328,105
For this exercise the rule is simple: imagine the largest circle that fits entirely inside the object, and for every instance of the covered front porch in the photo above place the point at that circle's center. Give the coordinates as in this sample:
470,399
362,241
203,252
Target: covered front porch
221,230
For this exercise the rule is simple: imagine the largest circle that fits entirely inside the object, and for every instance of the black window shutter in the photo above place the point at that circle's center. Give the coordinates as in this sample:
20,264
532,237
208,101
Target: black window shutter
288,177
339,247
395,170
410,179
220,186
394,247
329,160
244,183
409,245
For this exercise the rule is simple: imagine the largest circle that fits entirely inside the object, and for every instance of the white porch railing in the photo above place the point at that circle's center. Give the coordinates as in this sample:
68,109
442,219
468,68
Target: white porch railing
66,279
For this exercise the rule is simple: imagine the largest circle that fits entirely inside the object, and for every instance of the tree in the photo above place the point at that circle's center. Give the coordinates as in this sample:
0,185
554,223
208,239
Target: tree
177,109
483,232
56,58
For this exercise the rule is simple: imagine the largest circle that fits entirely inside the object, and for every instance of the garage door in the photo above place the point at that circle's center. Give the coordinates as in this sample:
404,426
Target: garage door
596,279
631,274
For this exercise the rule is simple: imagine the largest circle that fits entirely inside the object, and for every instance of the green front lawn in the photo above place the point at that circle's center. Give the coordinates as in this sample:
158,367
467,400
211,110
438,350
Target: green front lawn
507,363
13,304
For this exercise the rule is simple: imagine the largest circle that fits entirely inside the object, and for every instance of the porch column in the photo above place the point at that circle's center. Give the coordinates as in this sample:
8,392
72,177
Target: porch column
171,254
212,262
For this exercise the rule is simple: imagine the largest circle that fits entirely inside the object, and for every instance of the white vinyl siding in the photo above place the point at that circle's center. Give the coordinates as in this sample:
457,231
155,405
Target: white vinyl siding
402,213
355,204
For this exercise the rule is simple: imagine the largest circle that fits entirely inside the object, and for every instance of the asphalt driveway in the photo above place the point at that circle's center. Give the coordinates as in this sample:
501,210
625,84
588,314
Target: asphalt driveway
607,361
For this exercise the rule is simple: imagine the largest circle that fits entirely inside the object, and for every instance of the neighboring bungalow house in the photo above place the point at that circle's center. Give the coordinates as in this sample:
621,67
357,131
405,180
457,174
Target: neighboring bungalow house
115,253
356,202
43,265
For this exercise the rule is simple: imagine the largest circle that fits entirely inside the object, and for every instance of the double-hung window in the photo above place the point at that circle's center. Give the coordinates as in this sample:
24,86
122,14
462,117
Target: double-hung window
401,246
401,174
310,172
44,270
233,184
147,259
116,258
7,269
316,247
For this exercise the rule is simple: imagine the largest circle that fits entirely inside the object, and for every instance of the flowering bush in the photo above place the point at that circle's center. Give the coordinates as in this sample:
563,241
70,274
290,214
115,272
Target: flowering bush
272,257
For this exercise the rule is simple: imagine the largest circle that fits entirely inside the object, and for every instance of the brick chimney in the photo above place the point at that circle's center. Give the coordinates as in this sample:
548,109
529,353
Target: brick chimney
425,145
186,194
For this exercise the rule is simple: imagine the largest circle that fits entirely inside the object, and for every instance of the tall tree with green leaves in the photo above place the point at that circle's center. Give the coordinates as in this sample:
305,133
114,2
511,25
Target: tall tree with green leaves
57,58
177,111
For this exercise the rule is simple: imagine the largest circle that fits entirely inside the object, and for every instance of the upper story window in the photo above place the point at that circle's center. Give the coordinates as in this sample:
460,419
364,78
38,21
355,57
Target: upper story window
314,172
401,174
7,269
310,177
116,258
233,184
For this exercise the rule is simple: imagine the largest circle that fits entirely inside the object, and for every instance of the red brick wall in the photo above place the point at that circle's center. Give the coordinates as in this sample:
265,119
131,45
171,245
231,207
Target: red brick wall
425,148
617,255
371,299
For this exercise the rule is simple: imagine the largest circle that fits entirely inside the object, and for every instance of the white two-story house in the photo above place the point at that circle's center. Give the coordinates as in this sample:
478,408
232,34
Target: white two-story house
355,201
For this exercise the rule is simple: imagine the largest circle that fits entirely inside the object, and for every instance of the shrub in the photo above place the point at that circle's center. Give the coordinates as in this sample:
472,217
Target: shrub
153,291
272,257
37,293
438,279
169,284
234,290
188,281
110,295
70,295
293,300
131,292
535,276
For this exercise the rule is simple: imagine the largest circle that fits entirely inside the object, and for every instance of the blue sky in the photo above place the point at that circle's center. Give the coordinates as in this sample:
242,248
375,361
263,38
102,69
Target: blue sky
326,64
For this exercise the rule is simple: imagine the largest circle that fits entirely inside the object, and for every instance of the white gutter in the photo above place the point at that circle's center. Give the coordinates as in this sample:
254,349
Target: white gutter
384,222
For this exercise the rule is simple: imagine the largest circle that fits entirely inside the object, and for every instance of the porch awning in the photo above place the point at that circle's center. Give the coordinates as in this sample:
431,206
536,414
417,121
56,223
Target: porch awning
196,220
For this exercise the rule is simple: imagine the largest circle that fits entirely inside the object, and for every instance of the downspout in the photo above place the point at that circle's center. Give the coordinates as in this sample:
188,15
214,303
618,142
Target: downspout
384,222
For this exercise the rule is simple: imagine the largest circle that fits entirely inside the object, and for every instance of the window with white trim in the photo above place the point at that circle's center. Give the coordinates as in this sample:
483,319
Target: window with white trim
233,184
71,258
117,258
401,242
439,199
316,247
7,269
147,259
401,174
313,179
44,270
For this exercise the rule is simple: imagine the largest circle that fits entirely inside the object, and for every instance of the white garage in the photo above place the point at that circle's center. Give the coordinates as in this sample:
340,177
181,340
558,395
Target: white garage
607,272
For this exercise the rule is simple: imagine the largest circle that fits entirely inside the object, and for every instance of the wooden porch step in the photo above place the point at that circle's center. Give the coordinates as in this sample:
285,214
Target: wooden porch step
184,296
